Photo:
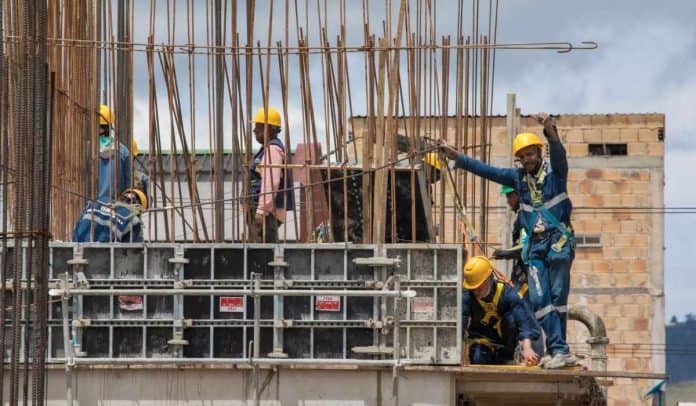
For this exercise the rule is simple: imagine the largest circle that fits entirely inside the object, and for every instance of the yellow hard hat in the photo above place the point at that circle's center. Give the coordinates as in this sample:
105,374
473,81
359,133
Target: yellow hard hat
140,194
272,118
432,159
105,116
525,140
476,270
134,148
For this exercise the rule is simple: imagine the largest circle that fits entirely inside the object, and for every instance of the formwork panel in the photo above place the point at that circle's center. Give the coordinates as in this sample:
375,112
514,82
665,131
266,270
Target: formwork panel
299,264
297,343
221,326
228,342
127,342
160,307
96,342
128,263
229,263
158,265
199,265
156,343
98,262
59,261
328,343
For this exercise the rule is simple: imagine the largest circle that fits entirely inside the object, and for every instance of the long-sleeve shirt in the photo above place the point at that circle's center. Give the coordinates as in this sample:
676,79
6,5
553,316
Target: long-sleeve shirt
107,190
274,156
510,306
552,184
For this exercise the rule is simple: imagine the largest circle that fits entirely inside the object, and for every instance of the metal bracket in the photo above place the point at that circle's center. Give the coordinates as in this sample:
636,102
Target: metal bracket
183,323
373,350
283,323
378,262
177,340
82,322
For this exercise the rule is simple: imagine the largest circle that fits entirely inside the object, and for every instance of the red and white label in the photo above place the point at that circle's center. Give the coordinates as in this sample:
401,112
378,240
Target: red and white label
231,304
327,303
422,307
130,303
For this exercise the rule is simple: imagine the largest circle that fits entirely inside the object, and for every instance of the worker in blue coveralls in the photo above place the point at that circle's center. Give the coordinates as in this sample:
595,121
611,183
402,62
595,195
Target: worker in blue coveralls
519,270
117,222
545,211
492,312
114,161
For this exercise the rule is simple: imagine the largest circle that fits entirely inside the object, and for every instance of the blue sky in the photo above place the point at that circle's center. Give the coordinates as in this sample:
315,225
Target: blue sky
645,63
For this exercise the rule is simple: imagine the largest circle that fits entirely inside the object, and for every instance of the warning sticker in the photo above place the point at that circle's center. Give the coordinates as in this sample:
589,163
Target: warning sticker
231,304
130,303
327,303
423,308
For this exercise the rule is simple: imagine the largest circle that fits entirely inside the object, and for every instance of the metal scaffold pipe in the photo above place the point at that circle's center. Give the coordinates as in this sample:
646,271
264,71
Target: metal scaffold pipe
244,292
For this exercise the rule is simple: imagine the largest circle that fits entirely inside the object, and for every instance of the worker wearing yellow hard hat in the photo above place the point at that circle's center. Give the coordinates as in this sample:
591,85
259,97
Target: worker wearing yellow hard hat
545,211
109,154
117,221
495,318
270,185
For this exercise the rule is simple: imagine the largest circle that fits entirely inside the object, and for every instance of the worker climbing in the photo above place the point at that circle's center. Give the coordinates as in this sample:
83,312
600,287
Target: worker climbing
545,211
266,207
495,318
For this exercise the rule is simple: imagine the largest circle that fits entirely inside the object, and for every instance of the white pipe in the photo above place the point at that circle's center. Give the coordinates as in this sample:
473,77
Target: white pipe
245,292
260,361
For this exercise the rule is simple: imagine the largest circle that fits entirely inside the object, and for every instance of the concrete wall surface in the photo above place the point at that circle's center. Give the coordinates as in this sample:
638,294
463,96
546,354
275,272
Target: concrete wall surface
233,387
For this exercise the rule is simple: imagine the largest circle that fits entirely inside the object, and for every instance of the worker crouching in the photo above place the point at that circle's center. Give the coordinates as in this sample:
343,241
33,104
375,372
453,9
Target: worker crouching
493,313
116,222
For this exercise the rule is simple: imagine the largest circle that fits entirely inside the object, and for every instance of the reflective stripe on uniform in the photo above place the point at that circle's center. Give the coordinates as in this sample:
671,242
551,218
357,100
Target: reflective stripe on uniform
561,309
551,203
544,311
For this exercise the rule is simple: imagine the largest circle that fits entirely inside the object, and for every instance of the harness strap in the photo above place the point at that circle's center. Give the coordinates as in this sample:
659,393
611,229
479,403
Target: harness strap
491,309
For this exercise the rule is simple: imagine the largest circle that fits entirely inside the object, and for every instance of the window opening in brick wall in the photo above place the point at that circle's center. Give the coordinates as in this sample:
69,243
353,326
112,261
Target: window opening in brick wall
588,240
607,149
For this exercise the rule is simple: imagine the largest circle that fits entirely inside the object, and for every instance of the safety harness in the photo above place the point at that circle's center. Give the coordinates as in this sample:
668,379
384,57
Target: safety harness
490,310
540,209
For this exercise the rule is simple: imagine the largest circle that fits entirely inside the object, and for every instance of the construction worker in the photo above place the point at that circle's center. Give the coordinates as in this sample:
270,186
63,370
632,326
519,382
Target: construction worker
267,206
519,270
545,211
118,222
488,305
109,155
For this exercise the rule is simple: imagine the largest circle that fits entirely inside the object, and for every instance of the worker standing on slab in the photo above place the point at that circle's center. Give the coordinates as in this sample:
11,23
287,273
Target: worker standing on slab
118,222
267,205
109,154
488,307
545,211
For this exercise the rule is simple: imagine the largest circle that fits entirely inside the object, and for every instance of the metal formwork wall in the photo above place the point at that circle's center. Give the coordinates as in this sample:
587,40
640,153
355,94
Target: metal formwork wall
216,326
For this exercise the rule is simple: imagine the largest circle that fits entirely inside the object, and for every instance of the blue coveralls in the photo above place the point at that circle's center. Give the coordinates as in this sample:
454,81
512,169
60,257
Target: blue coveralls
549,250
106,191
496,328
121,223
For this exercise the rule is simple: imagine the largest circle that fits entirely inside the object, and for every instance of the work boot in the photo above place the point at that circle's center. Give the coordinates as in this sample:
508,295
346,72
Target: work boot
546,358
560,360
